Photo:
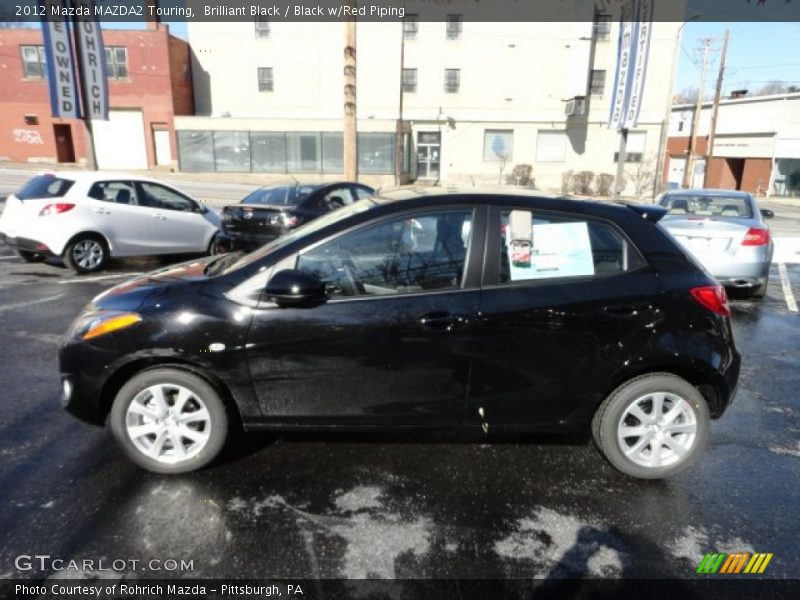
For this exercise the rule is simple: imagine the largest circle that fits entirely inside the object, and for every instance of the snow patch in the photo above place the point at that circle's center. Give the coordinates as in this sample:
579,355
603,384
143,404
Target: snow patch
361,497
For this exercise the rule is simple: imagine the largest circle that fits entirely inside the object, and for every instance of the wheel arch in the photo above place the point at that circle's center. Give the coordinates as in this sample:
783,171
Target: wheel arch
125,372
89,233
706,383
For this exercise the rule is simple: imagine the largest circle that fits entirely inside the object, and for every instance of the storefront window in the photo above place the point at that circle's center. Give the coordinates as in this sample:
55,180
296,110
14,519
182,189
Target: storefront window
196,150
232,151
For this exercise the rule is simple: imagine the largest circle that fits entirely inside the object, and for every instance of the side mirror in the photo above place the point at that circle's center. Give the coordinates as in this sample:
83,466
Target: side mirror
294,288
766,213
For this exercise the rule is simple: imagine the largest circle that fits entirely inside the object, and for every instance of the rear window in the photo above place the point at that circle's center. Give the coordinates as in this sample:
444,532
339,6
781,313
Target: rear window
290,195
44,186
708,206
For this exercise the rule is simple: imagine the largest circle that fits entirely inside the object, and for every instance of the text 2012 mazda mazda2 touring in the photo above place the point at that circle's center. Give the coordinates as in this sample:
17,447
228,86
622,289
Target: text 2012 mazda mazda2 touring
415,309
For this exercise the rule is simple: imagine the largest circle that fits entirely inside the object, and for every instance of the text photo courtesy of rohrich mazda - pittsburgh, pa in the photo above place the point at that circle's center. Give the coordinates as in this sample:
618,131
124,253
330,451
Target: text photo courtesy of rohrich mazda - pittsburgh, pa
392,299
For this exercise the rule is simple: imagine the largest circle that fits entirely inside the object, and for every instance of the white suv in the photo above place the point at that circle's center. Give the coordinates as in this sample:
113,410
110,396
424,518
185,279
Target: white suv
88,217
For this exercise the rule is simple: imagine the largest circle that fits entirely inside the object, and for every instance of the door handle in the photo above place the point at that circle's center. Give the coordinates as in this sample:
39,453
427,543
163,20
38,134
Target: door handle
442,320
102,211
159,216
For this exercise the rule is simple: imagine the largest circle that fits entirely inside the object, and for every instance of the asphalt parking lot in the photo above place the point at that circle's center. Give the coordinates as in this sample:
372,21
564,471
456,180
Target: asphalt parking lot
382,506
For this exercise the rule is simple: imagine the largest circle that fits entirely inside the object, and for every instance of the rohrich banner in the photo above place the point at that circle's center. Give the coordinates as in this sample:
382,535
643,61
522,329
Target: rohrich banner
63,62
633,49
64,98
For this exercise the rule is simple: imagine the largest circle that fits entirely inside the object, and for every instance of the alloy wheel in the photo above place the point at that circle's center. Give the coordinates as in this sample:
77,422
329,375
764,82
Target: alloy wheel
168,423
88,254
657,430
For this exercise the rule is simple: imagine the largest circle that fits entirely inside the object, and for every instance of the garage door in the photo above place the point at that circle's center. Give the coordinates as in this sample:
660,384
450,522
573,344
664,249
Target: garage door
119,142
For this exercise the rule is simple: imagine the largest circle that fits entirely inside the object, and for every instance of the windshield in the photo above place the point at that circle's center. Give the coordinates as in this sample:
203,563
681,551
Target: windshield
708,205
290,195
44,186
303,230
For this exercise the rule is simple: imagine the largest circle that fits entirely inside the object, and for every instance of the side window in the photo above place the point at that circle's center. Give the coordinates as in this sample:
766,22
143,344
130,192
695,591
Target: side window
336,198
536,246
359,193
120,192
157,196
400,256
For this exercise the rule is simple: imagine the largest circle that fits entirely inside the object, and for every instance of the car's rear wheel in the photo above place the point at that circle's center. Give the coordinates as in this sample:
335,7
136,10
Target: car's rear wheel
169,421
30,257
652,426
86,254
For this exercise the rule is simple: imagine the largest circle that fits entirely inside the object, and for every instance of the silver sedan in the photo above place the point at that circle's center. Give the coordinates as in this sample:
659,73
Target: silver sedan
726,233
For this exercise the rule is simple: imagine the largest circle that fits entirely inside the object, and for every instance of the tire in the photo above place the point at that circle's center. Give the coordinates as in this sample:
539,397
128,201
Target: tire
214,247
86,254
688,431
139,425
30,257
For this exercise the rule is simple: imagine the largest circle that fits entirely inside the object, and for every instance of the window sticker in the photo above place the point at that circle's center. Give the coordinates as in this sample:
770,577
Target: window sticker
555,250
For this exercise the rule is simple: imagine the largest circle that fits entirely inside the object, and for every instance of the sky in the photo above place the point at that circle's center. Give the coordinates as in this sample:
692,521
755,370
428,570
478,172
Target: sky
757,54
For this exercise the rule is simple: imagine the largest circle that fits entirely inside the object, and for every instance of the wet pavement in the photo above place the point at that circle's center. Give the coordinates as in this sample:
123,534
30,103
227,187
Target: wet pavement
386,506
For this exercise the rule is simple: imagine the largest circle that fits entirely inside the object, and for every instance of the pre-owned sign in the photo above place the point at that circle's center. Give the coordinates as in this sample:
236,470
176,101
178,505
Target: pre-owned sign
93,65
64,100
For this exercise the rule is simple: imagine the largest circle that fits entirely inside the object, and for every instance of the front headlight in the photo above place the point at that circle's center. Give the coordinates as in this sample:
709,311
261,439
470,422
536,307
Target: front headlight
96,323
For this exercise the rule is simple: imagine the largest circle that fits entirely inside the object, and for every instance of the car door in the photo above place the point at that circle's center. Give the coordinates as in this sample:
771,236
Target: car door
392,345
566,301
178,224
118,214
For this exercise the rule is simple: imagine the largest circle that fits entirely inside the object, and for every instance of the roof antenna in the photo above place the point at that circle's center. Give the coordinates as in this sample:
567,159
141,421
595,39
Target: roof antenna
296,182
472,179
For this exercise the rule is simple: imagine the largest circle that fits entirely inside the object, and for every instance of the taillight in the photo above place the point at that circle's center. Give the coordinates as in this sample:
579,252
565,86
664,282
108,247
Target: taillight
756,237
291,220
56,209
714,298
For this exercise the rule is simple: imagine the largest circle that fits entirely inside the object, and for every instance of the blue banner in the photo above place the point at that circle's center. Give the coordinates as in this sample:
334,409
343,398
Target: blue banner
61,79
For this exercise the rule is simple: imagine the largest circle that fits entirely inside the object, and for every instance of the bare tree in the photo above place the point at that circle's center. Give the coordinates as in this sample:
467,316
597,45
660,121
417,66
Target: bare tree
772,87
687,95
641,174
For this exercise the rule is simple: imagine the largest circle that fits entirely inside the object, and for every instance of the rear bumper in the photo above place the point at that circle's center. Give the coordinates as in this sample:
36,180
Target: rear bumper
26,244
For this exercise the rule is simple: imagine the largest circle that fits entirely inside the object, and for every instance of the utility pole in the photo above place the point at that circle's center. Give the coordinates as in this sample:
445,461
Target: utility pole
715,110
399,134
350,136
619,182
688,172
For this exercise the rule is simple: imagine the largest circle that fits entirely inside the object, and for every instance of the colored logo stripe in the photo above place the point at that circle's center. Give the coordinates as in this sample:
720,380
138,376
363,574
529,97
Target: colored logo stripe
733,563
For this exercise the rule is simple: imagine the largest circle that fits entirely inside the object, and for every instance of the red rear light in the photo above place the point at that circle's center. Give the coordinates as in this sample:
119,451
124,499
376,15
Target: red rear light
714,298
56,209
291,220
756,237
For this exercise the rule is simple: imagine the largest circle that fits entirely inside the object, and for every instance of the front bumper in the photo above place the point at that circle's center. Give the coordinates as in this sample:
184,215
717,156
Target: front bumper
26,244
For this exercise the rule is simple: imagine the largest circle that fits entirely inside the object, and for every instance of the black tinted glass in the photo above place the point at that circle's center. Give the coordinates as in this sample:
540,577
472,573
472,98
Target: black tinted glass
44,186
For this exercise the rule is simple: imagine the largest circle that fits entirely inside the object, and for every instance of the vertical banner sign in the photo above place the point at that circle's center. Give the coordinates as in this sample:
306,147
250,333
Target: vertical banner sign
60,62
93,62
644,18
628,32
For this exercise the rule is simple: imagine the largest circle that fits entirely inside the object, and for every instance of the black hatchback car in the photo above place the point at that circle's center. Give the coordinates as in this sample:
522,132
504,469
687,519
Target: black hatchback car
271,211
476,311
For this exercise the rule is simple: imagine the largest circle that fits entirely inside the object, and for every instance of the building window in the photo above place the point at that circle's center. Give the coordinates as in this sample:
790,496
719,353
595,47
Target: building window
598,82
410,27
34,62
410,80
634,147
452,80
117,62
498,144
262,27
376,152
551,146
602,27
265,82
454,24
680,125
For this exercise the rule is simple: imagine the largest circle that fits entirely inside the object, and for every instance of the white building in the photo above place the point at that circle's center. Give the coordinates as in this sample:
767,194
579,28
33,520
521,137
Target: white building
269,98
756,147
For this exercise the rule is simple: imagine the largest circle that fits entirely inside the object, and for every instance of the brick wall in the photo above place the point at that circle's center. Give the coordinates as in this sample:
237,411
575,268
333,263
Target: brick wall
158,83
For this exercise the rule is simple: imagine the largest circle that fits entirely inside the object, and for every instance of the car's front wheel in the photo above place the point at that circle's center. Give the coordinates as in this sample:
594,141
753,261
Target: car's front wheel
86,254
652,426
169,421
